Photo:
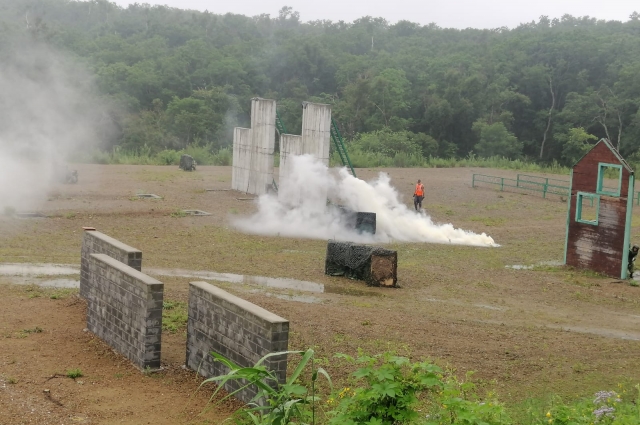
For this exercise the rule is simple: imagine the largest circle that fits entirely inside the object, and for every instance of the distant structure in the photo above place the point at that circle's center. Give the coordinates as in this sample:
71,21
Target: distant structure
253,149
315,141
599,212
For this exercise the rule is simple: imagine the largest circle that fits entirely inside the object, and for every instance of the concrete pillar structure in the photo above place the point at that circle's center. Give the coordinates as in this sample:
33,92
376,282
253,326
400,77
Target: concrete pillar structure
316,130
290,145
241,159
263,140
253,149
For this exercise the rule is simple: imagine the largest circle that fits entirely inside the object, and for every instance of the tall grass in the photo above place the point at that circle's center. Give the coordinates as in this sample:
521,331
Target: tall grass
143,156
361,159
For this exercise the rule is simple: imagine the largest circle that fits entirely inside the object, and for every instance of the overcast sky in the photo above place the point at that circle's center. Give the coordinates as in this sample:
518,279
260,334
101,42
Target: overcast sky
445,13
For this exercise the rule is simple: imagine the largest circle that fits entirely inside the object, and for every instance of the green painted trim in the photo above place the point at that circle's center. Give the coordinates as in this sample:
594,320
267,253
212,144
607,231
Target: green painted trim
627,228
579,197
599,189
617,154
566,239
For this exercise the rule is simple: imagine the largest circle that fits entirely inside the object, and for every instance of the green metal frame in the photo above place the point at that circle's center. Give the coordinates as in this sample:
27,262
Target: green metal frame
340,147
601,172
281,130
627,228
566,240
579,197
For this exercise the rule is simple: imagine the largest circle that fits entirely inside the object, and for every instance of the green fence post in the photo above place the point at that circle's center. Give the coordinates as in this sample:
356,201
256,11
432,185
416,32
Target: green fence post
502,183
518,180
544,190
473,181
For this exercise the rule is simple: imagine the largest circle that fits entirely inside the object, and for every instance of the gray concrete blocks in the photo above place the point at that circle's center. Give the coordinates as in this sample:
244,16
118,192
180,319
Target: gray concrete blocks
124,308
95,242
236,329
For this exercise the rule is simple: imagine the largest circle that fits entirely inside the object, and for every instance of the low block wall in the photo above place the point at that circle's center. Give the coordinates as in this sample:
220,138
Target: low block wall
125,309
235,328
94,242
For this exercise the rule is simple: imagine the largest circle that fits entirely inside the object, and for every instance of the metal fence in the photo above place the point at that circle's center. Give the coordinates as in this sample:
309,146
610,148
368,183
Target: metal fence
539,184
542,185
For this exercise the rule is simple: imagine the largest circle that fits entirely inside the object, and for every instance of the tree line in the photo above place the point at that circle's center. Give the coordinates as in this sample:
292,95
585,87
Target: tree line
172,78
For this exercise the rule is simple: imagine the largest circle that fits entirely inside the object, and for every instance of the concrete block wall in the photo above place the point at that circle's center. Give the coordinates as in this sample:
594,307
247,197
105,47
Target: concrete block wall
94,242
235,328
124,308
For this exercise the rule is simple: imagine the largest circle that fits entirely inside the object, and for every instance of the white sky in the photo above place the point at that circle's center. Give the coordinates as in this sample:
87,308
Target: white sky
451,13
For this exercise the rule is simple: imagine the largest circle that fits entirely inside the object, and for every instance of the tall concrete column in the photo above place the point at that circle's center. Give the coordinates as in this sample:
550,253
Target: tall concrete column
263,139
241,159
316,130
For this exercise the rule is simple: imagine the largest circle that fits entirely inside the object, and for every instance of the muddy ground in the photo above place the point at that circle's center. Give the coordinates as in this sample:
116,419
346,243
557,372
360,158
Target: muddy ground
527,332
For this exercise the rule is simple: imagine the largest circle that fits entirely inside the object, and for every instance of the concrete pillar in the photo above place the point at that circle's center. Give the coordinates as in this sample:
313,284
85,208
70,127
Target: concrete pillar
241,159
290,145
263,139
316,130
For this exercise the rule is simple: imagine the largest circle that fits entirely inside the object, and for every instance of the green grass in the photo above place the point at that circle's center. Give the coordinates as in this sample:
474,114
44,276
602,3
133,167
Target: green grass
203,155
74,373
174,316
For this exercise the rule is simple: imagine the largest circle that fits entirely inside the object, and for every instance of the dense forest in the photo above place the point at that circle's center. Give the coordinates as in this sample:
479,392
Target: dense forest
173,78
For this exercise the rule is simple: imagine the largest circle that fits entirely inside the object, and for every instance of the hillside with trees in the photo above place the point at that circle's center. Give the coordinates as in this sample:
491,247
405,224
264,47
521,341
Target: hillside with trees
171,78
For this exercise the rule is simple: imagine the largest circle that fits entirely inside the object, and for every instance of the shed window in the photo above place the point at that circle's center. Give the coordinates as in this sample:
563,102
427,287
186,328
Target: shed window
588,208
609,179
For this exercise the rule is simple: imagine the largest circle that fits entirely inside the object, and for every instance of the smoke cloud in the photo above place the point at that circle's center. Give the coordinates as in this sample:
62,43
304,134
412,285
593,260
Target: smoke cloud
47,111
301,210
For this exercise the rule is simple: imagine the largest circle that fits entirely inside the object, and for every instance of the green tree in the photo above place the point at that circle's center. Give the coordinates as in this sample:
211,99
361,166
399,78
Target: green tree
496,140
576,145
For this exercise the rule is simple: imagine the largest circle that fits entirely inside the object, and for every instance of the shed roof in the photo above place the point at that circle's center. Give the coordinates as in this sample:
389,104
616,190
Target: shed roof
608,144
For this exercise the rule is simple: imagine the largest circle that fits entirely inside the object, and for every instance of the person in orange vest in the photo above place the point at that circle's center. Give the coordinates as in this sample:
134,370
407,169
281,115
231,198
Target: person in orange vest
418,195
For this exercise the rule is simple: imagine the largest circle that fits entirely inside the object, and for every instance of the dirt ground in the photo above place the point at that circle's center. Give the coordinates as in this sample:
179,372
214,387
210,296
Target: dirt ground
527,332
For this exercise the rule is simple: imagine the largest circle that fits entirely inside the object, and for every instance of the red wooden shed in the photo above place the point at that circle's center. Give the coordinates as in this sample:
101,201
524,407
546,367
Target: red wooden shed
599,212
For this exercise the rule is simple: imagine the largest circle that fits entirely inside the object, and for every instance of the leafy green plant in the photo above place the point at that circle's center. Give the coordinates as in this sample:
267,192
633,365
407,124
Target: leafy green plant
390,391
274,403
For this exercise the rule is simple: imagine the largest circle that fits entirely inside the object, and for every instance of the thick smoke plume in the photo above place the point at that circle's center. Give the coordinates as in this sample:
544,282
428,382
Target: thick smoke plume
47,111
301,210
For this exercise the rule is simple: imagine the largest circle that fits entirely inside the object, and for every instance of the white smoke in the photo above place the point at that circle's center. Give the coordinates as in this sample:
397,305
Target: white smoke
301,210
46,112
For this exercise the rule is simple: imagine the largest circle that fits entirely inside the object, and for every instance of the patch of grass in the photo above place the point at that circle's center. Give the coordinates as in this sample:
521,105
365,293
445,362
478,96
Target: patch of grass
174,316
60,294
12,381
178,214
70,215
74,373
489,221
35,330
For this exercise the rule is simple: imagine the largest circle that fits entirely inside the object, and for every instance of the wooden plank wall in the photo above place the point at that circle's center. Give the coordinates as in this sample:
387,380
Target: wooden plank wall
598,248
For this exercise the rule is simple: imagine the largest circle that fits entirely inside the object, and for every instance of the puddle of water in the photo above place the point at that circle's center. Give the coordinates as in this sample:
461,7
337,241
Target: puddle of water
308,299
271,282
342,290
45,283
19,269
30,269
149,195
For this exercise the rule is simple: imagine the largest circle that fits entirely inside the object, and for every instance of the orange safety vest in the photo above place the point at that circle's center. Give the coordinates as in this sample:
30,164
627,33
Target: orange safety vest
419,189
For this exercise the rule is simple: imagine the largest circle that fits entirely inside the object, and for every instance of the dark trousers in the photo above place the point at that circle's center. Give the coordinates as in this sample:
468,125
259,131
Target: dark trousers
417,202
